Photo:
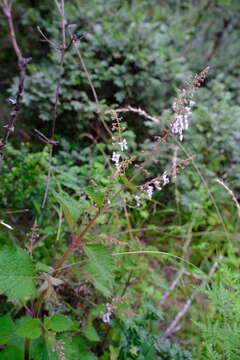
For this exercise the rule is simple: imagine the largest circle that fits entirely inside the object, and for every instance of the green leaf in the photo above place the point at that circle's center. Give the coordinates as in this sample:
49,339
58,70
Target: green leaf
16,273
41,350
30,329
91,334
41,267
47,322
6,329
11,352
73,349
96,196
130,185
81,348
100,267
60,323
71,208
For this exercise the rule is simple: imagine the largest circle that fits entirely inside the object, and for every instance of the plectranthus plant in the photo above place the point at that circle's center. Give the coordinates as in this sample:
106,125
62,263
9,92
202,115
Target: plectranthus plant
86,265
182,110
89,256
183,104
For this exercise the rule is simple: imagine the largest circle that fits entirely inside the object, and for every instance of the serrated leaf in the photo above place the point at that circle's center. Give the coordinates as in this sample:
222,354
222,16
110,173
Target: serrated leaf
96,196
6,328
60,323
30,329
71,208
100,267
16,273
91,334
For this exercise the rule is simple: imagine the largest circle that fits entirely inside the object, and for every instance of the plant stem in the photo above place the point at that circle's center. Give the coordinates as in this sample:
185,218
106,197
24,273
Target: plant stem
27,349
77,239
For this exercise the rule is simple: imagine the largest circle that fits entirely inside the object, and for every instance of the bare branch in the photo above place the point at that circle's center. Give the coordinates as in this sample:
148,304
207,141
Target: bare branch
22,65
232,195
100,117
173,285
62,48
138,111
173,327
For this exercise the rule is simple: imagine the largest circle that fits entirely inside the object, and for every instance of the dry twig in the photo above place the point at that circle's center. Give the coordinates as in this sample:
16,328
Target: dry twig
232,195
22,66
173,327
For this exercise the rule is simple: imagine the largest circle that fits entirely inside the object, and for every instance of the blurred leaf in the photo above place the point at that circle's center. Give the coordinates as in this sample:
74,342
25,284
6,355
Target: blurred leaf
96,196
6,328
30,329
60,323
11,352
91,334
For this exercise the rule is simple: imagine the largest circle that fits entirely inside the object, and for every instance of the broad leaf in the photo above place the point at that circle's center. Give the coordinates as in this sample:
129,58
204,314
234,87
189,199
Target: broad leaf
41,350
16,273
81,348
60,323
11,352
73,349
6,329
96,196
100,267
71,208
30,329
91,334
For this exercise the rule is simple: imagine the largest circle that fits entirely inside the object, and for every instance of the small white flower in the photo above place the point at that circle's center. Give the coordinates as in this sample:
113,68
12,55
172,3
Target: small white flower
165,178
137,198
106,317
123,145
186,122
157,185
149,192
12,101
116,158
182,111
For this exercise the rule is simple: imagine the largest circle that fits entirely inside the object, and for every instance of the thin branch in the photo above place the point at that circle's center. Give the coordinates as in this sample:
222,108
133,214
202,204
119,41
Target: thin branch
138,111
57,92
22,66
232,195
74,41
173,285
50,42
127,283
85,69
173,327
